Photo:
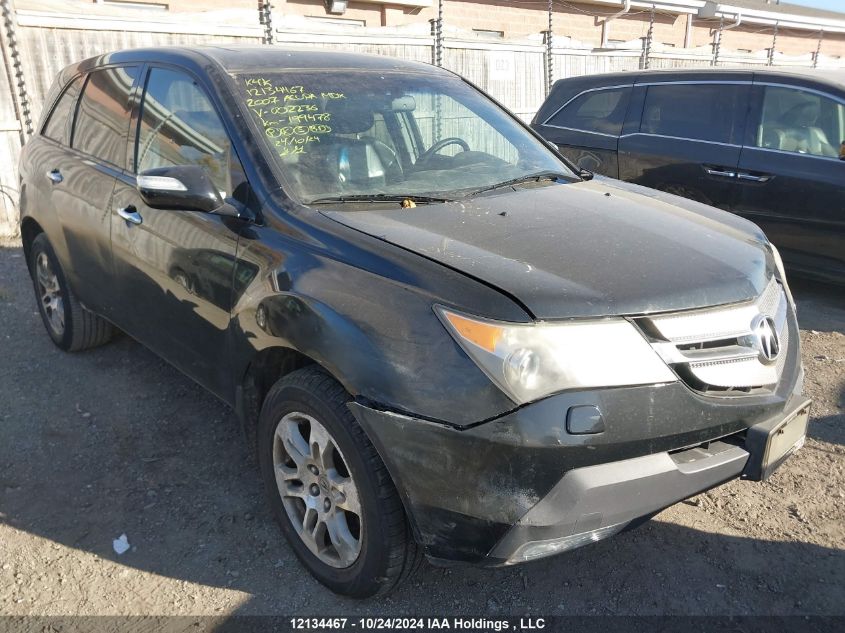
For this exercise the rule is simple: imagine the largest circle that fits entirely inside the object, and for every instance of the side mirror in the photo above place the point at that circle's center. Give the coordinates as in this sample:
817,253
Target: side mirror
182,188
585,174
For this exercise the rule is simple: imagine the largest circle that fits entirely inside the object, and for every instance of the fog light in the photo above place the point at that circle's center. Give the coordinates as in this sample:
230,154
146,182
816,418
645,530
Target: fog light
539,549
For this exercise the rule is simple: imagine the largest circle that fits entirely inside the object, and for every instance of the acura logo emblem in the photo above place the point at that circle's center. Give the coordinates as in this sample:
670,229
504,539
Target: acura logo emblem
765,337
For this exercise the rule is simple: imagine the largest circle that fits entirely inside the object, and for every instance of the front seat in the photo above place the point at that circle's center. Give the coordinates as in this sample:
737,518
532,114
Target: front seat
800,132
344,160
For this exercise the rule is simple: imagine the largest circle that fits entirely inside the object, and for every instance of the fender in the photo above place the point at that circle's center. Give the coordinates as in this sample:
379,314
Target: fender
298,296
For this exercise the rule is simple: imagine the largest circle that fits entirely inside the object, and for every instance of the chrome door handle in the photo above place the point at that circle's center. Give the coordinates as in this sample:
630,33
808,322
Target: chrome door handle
130,214
753,178
55,176
720,172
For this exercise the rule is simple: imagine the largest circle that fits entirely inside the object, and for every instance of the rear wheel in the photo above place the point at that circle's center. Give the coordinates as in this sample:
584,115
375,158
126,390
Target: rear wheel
70,326
329,490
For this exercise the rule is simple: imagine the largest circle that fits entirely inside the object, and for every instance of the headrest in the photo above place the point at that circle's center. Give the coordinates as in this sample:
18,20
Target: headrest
803,114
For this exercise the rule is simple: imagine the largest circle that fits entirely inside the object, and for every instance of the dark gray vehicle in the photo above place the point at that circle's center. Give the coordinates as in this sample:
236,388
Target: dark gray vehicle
439,337
765,144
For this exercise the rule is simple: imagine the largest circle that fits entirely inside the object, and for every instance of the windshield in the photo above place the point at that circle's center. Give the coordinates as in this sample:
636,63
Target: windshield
356,134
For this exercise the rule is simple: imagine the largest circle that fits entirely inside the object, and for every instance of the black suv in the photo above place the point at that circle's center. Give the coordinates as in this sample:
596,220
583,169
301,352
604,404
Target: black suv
766,144
440,338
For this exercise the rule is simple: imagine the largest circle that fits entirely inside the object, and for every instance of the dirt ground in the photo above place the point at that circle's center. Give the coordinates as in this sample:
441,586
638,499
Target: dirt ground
114,441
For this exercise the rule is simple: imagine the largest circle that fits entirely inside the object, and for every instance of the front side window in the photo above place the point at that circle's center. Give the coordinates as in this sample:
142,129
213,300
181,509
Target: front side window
359,133
57,127
600,111
102,117
179,126
794,120
707,112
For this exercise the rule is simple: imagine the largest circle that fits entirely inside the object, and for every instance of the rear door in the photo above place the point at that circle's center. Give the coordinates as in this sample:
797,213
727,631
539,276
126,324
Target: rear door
82,177
175,268
791,177
689,138
586,127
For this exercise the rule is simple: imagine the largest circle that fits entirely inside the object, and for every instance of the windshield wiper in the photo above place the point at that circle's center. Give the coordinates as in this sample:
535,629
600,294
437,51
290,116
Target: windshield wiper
379,197
543,175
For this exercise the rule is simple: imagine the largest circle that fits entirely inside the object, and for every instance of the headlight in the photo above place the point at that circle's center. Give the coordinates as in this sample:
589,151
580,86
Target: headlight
531,360
782,275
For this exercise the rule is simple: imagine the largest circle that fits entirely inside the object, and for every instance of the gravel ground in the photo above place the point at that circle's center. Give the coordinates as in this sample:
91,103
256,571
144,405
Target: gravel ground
114,441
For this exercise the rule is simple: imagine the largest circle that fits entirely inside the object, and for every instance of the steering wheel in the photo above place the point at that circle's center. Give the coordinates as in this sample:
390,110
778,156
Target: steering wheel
444,142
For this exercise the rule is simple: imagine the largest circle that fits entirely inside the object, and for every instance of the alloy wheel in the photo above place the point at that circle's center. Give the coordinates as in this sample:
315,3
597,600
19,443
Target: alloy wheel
51,294
318,493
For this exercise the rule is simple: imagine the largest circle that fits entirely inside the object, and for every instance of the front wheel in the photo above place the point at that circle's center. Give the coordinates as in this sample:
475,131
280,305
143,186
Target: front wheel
329,489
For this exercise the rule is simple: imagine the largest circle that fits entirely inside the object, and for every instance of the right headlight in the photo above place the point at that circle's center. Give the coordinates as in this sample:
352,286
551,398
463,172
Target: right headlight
531,360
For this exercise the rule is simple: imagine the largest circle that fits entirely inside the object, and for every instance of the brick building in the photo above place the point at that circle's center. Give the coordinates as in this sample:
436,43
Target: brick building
749,25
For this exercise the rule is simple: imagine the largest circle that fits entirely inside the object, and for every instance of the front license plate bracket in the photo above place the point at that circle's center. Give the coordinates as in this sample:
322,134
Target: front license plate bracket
771,442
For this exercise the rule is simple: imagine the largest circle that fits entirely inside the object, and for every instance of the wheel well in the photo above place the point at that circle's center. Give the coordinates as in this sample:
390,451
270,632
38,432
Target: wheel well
268,366
29,231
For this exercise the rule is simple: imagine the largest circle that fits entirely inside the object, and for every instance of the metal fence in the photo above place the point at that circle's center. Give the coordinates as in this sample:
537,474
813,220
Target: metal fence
36,45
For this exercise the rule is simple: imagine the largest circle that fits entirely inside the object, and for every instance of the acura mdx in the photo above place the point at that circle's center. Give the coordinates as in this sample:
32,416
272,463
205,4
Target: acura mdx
441,338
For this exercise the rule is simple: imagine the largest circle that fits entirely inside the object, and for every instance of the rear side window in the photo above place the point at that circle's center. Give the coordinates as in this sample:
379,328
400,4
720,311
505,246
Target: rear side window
707,112
57,127
600,111
794,120
179,126
102,117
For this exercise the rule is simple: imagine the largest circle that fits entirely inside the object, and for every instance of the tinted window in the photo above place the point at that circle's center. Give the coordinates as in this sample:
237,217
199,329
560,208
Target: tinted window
179,126
599,111
707,112
797,121
102,117
58,126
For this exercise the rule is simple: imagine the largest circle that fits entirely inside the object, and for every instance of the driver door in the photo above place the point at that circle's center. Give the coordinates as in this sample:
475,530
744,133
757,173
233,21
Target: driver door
175,268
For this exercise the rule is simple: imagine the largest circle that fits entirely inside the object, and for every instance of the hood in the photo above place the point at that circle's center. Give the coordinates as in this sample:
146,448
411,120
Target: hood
587,249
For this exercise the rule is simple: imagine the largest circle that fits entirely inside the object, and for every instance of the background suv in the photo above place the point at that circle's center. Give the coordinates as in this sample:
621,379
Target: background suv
766,144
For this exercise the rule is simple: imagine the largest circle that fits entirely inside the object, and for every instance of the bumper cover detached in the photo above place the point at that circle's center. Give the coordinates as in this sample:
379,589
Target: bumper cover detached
520,487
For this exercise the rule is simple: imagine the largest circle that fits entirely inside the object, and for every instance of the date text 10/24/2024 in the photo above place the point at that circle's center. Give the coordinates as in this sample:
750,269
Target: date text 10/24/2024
417,624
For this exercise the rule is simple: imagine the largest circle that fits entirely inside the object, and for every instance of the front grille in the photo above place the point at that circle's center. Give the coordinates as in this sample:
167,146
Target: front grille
715,351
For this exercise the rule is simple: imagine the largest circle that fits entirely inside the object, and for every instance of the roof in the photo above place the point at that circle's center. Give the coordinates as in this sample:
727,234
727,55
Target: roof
834,77
832,80
787,9
256,58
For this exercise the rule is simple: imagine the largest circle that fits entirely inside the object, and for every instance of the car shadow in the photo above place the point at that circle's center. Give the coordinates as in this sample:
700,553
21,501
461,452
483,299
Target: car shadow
820,306
114,441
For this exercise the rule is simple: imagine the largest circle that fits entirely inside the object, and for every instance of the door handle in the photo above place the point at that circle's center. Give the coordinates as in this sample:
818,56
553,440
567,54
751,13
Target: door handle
724,173
753,178
130,214
55,176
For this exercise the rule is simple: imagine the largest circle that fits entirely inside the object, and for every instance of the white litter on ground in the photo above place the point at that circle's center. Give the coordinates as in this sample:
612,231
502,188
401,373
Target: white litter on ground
121,544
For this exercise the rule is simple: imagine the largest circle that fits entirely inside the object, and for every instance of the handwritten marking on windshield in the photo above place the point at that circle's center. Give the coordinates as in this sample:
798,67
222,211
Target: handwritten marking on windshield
294,116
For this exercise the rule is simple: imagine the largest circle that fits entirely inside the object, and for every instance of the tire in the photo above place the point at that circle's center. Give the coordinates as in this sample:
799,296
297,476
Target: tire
381,552
70,326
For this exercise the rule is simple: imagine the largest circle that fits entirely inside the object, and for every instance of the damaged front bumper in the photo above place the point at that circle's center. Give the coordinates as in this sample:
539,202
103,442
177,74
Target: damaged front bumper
521,487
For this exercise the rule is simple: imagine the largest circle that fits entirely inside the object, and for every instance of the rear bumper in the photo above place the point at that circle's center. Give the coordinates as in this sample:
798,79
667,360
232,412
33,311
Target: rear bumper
520,487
